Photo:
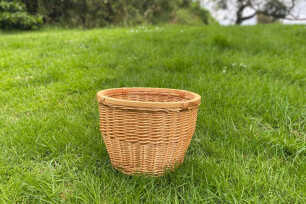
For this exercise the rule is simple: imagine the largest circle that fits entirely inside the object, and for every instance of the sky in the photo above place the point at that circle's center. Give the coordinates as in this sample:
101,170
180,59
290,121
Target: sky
227,17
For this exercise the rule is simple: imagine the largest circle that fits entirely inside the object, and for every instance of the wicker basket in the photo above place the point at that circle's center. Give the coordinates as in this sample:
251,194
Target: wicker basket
147,130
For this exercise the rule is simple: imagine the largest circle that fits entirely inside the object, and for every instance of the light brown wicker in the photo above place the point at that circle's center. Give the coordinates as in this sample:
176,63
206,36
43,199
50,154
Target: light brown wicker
147,130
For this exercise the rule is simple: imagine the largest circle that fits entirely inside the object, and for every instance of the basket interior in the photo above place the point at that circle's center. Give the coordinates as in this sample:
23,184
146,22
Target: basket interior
151,96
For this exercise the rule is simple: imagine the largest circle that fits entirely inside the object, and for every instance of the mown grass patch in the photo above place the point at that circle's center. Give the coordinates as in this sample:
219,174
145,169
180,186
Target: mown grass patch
249,145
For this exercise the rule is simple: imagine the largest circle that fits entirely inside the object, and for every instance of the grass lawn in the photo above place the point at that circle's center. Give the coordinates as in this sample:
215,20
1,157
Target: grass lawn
250,141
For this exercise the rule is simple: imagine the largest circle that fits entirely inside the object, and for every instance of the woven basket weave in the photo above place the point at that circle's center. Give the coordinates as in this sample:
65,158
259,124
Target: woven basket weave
147,130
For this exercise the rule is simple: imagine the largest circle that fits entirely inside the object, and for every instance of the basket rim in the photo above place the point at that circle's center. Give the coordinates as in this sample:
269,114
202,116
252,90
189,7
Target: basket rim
194,101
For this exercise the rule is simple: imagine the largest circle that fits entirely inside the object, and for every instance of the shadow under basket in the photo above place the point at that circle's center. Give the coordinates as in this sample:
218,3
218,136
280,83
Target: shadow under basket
147,130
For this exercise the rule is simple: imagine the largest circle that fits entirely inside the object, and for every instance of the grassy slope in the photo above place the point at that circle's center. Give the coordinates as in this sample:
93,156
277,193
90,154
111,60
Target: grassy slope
250,139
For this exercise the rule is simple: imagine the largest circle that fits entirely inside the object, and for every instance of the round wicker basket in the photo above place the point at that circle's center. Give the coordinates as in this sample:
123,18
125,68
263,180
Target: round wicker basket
147,130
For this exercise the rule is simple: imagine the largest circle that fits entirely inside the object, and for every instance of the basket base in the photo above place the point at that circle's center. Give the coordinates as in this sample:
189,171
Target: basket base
155,173
150,159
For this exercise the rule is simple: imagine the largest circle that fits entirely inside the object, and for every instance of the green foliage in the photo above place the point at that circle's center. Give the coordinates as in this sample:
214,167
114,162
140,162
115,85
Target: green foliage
184,16
14,16
193,14
249,143
11,6
19,20
276,9
204,14
95,13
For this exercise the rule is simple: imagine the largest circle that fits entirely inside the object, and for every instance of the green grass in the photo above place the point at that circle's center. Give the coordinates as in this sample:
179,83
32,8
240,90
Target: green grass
249,145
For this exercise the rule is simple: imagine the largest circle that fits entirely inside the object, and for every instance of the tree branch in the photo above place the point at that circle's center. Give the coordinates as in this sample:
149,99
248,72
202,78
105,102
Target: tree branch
292,5
248,17
294,18
291,16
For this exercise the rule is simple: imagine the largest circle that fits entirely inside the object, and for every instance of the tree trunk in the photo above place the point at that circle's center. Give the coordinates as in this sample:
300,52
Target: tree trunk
239,18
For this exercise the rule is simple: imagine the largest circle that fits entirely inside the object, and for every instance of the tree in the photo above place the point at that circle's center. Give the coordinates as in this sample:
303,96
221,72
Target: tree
13,15
31,6
98,13
277,9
